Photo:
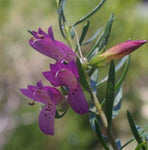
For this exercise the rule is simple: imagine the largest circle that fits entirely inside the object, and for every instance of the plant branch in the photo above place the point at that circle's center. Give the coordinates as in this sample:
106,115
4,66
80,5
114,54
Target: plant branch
104,120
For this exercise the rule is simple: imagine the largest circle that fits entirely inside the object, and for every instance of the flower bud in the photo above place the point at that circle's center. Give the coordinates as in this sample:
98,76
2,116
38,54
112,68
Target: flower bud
116,52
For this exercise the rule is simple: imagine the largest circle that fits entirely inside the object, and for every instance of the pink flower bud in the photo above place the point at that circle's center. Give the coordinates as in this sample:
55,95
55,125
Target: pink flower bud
116,52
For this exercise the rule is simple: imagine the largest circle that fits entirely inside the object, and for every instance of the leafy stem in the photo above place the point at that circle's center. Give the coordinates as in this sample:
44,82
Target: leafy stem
104,120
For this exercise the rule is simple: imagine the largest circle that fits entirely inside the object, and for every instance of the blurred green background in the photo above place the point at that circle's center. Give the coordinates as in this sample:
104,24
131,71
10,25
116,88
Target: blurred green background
21,65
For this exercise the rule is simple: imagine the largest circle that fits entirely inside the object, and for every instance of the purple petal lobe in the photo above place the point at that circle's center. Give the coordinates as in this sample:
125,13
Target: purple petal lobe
42,34
27,93
37,93
46,119
50,32
39,84
51,77
77,100
48,48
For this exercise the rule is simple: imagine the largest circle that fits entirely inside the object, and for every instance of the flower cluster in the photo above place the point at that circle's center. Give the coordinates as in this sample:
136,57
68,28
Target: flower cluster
63,73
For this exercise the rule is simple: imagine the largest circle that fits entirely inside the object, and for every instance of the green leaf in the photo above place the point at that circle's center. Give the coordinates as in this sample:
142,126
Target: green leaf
110,94
72,33
141,145
117,68
30,32
103,39
90,13
92,51
62,18
117,102
93,37
134,129
106,32
93,79
92,118
84,32
119,82
141,132
82,76
99,134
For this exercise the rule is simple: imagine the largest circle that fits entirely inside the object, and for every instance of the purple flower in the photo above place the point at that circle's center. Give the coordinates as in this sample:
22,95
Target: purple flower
48,96
47,45
62,74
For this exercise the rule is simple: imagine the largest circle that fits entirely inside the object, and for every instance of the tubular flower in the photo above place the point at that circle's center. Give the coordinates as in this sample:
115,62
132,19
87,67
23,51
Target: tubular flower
48,96
62,74
47,45
116,52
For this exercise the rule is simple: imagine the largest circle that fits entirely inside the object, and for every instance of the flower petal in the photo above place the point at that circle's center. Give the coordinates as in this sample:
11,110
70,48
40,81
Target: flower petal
51,77
46,119
38,93
40,85
48,48
77,100
41,32
27,93
50,33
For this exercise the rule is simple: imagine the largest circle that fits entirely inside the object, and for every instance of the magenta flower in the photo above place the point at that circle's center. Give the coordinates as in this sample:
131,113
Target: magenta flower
47,45
48,96
62,74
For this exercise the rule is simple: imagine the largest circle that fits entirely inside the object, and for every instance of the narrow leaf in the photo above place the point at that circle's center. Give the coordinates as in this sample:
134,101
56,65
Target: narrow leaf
72,33
117,103
30,32
82,76
90,13
141,145
103,39
84,32
117,68
119,82
99,134
118,143
106,32
134,129
141,132
94,48
92,118
62,18
94,79
110,94
93,37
